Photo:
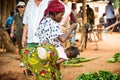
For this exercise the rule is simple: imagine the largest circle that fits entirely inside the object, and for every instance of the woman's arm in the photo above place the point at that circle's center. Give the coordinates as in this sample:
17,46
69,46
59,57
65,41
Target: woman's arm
65,36
60,60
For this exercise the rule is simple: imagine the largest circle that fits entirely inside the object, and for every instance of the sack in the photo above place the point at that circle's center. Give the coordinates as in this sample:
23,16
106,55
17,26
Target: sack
35,58
40,52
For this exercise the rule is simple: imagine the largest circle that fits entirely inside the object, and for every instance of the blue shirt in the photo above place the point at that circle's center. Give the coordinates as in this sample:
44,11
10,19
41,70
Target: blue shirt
9,20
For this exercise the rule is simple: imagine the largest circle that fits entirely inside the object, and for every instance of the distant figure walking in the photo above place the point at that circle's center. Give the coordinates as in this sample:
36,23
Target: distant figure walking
99,26
73,19
80,16
80,12
110,14
9,22
18,26
90,20
8,25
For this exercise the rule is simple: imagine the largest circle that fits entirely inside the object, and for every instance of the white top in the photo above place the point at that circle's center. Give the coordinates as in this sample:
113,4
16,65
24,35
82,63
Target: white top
48,31
32,16
109,11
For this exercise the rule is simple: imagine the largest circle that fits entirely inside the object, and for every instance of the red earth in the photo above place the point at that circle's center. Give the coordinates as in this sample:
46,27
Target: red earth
10,70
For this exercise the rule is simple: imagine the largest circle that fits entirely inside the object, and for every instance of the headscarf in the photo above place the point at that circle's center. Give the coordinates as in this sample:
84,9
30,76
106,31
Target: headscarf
54,6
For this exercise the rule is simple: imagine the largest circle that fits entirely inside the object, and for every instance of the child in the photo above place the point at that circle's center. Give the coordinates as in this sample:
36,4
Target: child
99,26
72,52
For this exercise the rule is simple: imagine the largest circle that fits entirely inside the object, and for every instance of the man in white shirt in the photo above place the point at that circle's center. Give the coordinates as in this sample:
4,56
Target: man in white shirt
33,14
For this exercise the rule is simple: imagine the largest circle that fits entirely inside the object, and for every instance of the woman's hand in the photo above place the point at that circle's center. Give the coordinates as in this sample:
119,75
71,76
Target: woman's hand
59,61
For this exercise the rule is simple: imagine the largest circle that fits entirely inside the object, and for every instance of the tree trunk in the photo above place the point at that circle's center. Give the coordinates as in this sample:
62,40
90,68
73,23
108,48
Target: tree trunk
6,6
83,31
5,41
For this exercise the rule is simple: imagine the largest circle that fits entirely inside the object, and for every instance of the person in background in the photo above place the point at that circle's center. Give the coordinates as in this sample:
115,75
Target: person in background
99,26
110,14
90,20
49,31
8,25
119,17
9,22
17,26
80,16
65,22
80,13
34,12
119,13
73,19
65,18
116,28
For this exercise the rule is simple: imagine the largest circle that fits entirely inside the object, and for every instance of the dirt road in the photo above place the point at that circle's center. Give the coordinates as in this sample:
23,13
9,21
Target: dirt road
10,70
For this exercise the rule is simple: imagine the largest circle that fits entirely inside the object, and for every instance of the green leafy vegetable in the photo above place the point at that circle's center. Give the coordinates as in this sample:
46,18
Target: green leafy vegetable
101,75
115,58
111,60
74,62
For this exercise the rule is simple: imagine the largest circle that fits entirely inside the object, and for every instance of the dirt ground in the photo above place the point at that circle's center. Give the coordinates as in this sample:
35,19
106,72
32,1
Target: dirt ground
10,70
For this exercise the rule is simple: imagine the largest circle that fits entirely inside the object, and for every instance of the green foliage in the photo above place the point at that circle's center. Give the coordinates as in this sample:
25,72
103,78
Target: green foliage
101,75
111,60
115,58
74,61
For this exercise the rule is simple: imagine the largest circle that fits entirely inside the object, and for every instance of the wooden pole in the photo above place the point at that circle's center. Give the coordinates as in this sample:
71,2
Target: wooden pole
84,21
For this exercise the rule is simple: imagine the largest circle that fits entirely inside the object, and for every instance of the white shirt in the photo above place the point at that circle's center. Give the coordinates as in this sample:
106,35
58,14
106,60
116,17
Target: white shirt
109,11
32,16
48,31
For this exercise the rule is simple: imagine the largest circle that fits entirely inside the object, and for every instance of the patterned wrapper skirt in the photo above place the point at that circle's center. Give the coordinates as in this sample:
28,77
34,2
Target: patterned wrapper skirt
41,60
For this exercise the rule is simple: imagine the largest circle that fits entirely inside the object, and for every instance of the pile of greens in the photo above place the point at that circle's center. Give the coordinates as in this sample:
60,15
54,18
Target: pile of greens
115,58
73,62
100,75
